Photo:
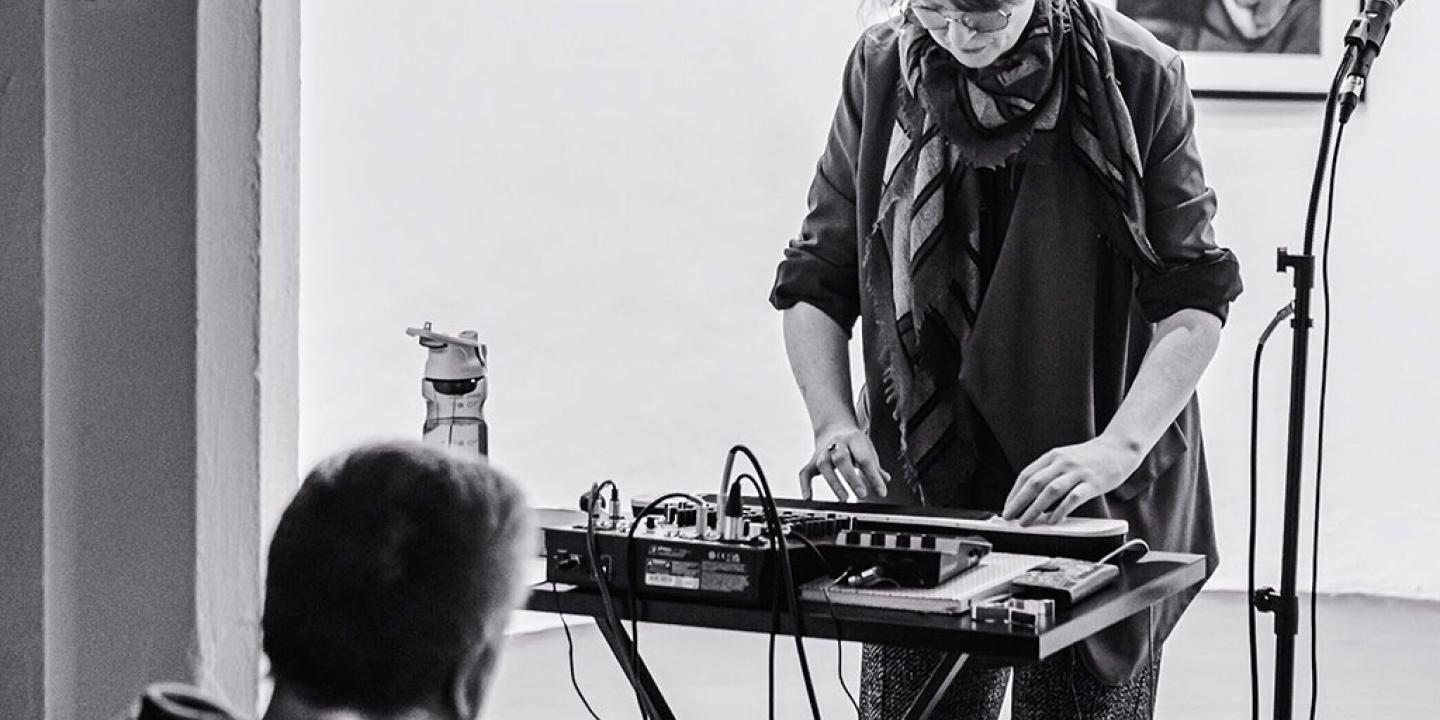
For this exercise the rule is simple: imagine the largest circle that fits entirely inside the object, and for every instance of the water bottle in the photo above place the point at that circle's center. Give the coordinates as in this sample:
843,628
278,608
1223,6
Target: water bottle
454,388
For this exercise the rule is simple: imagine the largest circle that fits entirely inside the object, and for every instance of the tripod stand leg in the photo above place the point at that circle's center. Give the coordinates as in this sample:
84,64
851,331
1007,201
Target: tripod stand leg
650,694
935,686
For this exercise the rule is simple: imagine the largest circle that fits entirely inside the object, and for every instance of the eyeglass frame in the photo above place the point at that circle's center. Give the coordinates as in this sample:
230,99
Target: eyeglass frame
963,17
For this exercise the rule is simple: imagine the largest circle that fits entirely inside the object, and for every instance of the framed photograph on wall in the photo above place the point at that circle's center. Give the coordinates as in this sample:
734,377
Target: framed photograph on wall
1251,48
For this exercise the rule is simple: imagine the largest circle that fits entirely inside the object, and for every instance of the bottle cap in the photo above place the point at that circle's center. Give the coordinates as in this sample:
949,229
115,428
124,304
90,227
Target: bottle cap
451,357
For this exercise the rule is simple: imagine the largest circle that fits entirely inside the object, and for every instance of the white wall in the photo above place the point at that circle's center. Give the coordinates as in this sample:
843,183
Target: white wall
603,190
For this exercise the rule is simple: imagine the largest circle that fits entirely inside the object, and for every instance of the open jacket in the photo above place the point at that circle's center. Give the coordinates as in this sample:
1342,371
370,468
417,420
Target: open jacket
1070,308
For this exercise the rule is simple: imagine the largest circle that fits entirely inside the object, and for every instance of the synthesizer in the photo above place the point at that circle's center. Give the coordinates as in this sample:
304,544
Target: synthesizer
689,549
1075,537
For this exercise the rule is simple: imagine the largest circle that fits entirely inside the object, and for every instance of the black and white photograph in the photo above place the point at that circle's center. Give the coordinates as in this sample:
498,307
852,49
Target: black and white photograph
1286,27
1258,48
745,360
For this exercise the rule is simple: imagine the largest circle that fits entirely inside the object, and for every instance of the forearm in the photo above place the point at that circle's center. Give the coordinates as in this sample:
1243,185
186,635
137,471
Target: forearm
820,360
1182,347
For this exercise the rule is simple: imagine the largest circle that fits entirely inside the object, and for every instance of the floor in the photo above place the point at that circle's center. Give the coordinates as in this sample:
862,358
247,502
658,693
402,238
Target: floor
1375,662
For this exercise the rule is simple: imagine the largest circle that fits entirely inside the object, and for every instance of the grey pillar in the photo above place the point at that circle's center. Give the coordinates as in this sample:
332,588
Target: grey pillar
147,372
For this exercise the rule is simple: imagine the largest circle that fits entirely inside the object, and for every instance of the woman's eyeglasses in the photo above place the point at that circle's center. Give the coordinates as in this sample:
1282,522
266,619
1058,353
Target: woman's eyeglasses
981,22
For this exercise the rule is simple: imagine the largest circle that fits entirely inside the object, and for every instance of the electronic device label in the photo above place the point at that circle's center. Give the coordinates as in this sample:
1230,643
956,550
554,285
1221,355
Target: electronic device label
724,576
672,574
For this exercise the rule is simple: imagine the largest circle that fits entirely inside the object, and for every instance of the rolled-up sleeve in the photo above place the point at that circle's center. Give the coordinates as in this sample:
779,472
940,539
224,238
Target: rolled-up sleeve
820,266
1194,272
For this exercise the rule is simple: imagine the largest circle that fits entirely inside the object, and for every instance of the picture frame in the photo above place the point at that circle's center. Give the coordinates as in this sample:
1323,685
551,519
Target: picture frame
1290,52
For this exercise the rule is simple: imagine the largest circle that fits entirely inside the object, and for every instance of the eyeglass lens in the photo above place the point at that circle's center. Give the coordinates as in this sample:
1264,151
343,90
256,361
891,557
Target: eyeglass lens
984,22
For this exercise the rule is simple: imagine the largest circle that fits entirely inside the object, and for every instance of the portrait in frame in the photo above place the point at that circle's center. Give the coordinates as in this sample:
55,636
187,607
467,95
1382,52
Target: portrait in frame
1251,48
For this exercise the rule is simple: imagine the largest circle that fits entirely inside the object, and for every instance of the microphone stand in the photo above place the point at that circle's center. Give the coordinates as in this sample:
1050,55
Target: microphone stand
1286,604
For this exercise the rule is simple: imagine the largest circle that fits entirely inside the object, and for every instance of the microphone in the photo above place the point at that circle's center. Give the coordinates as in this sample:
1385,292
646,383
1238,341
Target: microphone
1367,34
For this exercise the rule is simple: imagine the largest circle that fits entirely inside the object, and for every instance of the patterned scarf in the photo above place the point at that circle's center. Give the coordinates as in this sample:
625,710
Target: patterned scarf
989,114
952,121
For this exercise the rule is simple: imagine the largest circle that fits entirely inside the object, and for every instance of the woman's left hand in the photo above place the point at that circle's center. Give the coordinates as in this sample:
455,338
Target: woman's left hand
1070,476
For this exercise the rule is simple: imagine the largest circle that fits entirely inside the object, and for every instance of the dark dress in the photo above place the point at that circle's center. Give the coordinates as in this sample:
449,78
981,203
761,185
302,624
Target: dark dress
1069,309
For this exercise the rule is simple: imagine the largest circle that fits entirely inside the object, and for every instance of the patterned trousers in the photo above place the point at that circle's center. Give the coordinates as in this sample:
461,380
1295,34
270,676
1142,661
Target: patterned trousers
1057,688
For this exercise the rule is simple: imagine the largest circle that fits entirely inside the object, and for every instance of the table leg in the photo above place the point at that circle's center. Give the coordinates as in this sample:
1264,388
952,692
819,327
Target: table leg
936,685
650,694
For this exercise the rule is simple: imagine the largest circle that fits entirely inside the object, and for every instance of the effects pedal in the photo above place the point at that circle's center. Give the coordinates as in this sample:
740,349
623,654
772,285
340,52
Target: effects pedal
1064,580
908,559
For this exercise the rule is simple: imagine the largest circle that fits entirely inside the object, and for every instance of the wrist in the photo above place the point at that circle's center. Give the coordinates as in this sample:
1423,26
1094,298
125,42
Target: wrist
836,426
1129,447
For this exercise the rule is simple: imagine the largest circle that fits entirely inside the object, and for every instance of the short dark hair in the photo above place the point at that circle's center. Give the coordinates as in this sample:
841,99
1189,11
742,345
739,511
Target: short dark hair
392,562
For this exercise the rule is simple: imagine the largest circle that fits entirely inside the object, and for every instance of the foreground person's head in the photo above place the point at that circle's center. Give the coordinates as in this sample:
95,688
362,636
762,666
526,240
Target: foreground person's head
976,32
391,576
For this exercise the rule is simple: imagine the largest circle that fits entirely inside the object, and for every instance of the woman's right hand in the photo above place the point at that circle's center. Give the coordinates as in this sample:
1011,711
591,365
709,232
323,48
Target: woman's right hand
847,459
817,348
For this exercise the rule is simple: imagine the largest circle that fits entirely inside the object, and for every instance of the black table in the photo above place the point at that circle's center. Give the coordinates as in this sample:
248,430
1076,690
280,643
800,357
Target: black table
1140,585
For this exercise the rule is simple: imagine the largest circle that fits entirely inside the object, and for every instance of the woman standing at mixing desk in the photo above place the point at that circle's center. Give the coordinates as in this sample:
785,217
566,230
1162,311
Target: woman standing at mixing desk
1011,201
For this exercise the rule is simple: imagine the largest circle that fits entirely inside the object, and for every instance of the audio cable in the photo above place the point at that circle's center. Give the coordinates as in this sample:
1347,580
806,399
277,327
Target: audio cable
792,596
570,650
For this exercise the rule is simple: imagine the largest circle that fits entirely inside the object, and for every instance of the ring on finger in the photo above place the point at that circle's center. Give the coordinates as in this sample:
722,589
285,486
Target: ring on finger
833,447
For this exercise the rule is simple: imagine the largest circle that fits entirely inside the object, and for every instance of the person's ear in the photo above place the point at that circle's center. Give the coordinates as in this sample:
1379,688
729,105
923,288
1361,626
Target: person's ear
471,679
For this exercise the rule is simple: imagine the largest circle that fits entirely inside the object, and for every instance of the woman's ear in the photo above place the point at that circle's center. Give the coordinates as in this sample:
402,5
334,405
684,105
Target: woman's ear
471,679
